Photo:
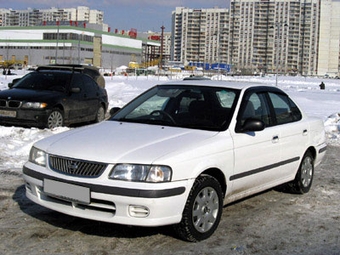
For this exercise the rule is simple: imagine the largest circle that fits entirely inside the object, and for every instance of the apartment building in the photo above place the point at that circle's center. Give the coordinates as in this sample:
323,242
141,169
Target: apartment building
275,36
35,17
200,35
268,36
329,39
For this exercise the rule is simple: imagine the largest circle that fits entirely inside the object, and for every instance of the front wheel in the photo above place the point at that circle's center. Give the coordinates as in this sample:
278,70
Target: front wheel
55,119
304,176
203,210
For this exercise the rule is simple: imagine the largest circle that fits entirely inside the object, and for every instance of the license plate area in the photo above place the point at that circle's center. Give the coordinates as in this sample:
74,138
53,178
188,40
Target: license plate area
66,191
6,113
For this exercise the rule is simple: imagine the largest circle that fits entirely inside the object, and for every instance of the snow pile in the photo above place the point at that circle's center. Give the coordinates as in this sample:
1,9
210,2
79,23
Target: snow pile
332,127
15,142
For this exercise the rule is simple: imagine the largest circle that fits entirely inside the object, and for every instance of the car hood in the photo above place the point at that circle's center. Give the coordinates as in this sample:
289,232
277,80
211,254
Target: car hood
113,142
28,94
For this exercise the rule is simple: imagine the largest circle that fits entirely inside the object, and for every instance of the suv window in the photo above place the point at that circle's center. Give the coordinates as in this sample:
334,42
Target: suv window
55,81
285,109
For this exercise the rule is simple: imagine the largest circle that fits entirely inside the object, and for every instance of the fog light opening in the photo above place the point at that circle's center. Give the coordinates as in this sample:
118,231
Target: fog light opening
28,186
138,211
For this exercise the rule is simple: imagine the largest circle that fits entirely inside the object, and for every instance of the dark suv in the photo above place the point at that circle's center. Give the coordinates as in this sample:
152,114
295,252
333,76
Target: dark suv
53,97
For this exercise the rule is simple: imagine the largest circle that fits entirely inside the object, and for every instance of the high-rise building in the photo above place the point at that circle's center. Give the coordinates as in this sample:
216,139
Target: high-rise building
329,39
268,36
199,35
275,36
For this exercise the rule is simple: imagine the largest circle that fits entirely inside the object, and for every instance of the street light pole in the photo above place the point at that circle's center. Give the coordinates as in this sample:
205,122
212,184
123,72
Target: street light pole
278,29
56,48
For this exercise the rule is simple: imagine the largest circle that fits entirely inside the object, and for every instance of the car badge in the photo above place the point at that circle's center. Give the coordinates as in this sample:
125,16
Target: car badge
72,167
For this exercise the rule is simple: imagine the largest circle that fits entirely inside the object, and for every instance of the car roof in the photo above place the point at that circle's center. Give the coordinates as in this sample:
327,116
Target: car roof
91,71
68,67
241,85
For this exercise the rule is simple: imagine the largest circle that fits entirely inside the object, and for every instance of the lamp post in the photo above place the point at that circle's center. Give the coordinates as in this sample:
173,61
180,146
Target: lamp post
56,48
278,26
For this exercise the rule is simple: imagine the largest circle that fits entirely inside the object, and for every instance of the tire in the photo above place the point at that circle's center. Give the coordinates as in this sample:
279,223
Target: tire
304,176
100,114
55,119
203,210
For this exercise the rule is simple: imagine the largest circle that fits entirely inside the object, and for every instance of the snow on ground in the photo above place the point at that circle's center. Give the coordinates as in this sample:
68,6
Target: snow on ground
15,142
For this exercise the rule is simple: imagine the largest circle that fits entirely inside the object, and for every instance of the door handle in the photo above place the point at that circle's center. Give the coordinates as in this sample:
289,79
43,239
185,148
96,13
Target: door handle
275,139
305,132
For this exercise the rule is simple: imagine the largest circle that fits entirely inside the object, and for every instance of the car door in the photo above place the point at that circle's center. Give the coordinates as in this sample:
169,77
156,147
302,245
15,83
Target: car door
257,153
77,101
91,97
293,134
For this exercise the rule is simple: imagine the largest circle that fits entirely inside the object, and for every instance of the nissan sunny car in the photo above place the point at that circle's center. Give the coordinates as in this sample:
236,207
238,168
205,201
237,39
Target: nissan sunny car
53,96
176,154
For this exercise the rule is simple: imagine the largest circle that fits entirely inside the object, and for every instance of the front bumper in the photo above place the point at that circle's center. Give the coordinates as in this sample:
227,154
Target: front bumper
27,117
142,204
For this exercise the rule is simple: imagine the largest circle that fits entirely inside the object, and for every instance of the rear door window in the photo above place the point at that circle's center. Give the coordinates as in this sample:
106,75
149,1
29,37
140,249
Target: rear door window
285,109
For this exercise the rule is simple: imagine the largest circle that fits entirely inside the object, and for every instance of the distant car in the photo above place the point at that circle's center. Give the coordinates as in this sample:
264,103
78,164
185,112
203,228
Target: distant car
196,78
176,154
50,98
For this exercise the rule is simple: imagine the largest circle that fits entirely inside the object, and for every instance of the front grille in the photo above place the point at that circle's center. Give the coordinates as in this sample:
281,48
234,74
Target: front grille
3,103
10,103
14,104
76,167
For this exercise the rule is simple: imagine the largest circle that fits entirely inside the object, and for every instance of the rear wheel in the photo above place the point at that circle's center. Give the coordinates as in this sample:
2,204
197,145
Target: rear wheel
304,177
55,119
100,114
203,210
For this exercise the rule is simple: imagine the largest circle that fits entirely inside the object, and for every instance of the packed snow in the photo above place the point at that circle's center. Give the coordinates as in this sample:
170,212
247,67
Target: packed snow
15,142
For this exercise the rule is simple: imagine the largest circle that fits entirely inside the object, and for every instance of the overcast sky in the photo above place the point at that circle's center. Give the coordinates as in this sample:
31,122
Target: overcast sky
143,15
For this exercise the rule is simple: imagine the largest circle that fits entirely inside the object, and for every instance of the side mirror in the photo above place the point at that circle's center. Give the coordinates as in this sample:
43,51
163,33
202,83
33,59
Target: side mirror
14,81
251,125
114,110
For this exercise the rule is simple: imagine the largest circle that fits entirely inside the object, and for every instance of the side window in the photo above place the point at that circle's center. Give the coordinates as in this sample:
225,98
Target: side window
90,86
256,107
285,109
77,82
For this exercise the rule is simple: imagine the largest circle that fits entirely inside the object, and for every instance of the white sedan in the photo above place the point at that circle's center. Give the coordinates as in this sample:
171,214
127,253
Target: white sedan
176,154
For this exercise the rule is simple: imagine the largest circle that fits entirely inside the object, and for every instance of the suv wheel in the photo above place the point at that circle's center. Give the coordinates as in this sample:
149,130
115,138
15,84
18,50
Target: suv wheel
100,114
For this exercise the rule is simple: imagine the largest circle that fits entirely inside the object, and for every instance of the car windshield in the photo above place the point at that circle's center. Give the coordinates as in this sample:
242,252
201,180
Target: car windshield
56,81
196,107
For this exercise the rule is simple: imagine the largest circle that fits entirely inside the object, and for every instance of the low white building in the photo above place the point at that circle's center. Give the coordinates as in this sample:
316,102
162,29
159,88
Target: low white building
68,44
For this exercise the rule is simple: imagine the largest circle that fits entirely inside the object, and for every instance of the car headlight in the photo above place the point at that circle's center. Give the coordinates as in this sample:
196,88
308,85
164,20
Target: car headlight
37,156
34,105
141,173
